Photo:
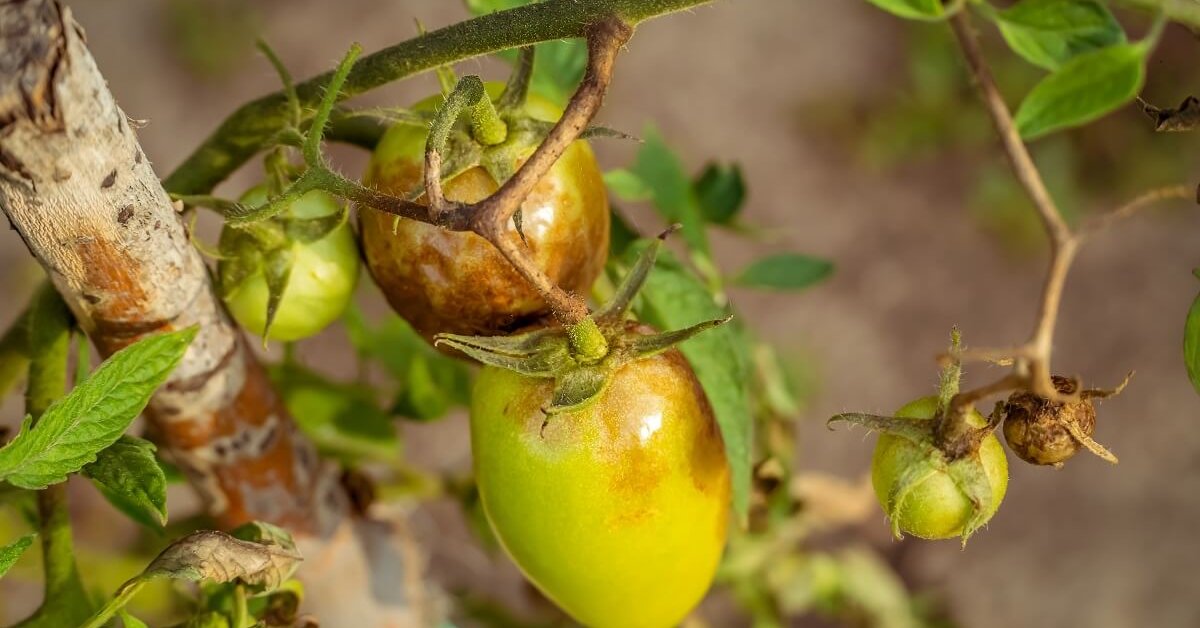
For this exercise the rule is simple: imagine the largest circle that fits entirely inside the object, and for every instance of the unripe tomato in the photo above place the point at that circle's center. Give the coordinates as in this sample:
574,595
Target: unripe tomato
322,280
456,282
617,512
936,508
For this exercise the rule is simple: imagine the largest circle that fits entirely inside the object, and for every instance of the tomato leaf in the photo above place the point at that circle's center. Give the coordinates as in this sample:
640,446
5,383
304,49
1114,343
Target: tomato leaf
214,556
429,382
912,9
343,420
74,429
674,298
661,170
1084,89
627,186
9,554
721,191
1191,343
1048,33
786,271
129,477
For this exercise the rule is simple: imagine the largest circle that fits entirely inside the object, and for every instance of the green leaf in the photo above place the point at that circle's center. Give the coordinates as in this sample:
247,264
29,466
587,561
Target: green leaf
343,420
627,186
128,475
622,233
721,191
129,621
93,416
1191,344
1048,33
1084,89
786,271
429,382
674,298
11,552
670,188
912,9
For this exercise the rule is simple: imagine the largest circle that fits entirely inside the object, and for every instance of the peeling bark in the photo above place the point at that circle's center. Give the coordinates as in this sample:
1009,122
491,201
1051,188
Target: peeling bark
75,184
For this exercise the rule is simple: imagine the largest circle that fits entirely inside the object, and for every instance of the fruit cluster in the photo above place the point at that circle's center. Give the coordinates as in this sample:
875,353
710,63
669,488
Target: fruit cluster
600,465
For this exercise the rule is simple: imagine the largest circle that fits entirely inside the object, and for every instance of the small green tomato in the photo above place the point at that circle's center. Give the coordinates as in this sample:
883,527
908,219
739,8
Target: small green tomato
935,508
322,280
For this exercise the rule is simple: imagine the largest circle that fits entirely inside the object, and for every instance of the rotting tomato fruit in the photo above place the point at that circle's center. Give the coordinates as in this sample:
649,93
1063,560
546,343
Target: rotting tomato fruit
306,252
917,487
456,282
617,511
1045,432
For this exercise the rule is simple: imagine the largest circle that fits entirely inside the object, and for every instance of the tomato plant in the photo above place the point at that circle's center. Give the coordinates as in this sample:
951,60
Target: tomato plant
632,431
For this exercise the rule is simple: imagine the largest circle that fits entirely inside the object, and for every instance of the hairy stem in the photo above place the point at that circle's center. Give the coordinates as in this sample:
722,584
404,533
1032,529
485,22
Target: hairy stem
49,328
250,128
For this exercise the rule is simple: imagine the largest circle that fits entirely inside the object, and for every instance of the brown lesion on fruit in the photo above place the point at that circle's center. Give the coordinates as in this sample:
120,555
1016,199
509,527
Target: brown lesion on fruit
1045,432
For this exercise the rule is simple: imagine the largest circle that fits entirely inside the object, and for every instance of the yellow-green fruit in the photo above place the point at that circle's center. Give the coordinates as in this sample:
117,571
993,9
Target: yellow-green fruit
936,508
322,280
617,512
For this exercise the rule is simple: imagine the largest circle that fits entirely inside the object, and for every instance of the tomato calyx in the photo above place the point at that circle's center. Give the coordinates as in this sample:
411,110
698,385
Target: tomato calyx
946,444
582,358
269,246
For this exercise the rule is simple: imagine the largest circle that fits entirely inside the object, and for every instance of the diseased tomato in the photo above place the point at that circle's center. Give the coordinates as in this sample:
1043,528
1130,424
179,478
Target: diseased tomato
456,282
1037,429
617,512
322,280
935,507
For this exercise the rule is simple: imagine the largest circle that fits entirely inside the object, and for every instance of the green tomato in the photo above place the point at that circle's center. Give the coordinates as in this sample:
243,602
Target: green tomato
321,284
617,512
935,508
457,282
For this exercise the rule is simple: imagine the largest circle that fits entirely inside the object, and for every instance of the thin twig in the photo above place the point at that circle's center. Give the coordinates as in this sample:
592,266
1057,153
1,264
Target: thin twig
1030,361
494,213
1102,222
1014,148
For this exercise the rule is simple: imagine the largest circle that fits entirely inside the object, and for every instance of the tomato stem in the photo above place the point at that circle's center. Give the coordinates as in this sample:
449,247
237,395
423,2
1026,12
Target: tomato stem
486,126
587,342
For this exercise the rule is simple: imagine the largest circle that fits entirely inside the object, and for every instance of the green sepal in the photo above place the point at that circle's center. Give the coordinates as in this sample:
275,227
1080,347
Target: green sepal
309,230
541,355
638,346
919,431
971,478
516,91
549,353
613,313
277,269
577,388
912,477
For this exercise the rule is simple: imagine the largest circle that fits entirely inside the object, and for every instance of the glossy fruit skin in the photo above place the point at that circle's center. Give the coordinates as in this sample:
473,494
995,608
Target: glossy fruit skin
456,282
321,284
935,509
617,512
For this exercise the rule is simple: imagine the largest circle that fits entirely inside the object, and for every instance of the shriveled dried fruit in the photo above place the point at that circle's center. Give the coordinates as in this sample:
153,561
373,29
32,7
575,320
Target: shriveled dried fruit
1042,432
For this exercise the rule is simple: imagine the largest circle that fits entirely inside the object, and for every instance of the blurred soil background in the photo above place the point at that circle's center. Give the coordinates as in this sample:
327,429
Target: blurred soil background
861,142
